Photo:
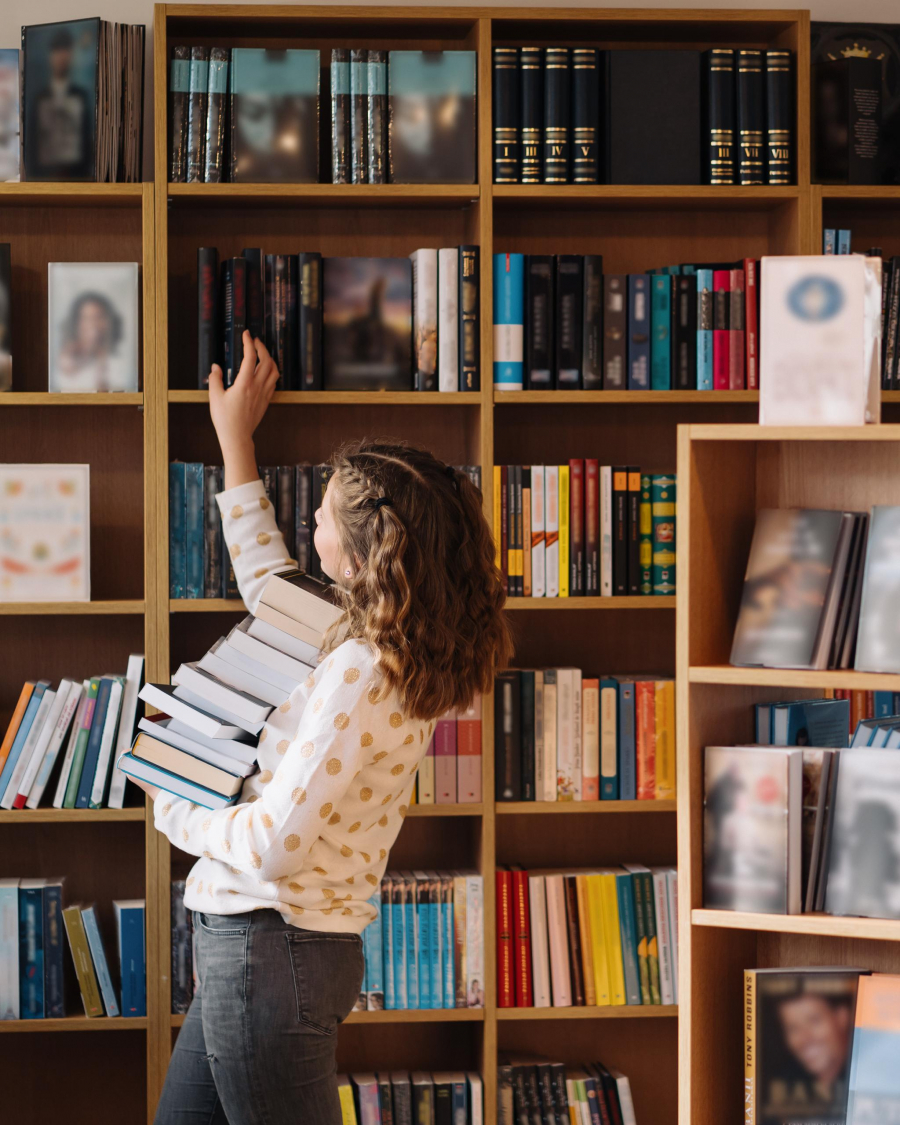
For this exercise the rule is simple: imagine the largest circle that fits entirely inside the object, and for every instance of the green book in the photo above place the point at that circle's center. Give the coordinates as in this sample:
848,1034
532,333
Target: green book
646,880
662,494
81,745
641,933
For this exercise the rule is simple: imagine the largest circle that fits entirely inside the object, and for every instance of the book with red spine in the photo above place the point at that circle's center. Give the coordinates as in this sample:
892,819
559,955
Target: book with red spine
505,991
468,753
736,330
645,716
591,527
576,528
751,323
522,938
504,527
721,343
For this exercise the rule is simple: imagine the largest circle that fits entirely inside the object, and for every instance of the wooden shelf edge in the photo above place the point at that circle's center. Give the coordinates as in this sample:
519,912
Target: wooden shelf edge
206,605
420,1015
47,398
876,193
351,398
712,432
648,196
616,1011
48,194
337,195
78,1023
69,816
461,809
725,674
821,925
22,609
549,808
631,602
631,398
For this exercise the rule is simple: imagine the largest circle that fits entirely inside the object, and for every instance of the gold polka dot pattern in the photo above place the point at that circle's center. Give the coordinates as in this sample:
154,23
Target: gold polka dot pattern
397,770
325,810
366,740
265,777
255,861
263,503
351,675
263,538
291,843
333,767
306,750
236,512
282,746
341,721
396,719
298,795
365,794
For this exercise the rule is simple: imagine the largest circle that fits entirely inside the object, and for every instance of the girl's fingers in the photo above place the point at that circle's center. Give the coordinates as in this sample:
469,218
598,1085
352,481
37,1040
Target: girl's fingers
216,383
248,365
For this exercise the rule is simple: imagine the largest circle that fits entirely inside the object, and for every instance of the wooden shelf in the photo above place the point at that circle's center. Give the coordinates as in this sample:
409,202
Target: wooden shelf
207,605
352,398
69,816
446,810
569,808
45,398
755,433
19,609
624,602
420,1015
608,1012
326,195
78,1023
632,398
68,194
812,925
794,677
869,193
645,196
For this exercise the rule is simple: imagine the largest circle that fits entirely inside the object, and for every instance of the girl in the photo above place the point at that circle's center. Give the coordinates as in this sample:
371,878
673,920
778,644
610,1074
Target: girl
281,892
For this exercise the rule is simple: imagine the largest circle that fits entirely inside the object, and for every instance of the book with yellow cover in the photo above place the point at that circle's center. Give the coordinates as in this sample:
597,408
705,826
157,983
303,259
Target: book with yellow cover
345,1094
84,966
597,939
665,740
587,949
612,933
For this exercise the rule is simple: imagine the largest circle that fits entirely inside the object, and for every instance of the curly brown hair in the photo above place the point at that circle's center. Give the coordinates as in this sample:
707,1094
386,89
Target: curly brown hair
425,591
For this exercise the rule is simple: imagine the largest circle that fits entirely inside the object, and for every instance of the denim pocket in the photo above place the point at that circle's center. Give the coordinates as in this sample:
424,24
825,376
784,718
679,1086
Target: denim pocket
327,970
224,924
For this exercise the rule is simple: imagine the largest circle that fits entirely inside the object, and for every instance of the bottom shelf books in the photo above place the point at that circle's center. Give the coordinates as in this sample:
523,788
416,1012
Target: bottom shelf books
587,938
403,1098
538,1090
32,920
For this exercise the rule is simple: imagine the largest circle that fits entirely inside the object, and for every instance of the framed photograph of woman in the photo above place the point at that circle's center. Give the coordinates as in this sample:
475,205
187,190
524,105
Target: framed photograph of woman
93,326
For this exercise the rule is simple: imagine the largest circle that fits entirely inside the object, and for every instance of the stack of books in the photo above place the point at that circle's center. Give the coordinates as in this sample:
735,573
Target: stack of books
205,742
531,1088
381,1099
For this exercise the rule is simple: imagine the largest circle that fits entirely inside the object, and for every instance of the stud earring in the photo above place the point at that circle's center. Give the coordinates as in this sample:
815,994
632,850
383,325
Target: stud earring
348,573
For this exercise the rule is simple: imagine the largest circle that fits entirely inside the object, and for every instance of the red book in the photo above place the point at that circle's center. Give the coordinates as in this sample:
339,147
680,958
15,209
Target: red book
751,323
576,529
736,331
645,713
504,526
591,527
505,992
522,939
721,349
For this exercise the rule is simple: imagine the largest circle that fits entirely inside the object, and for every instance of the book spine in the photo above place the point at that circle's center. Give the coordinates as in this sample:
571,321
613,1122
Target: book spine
705,320
522,939
193,530
340,115
207,327
661,332
281,279
609,772
663,490
506,115
133,961
627,745
413,950
256,307
376,145
665,740
302,516
606,531
751,323
468,744
569,313
550,722
645,518
92,752
448,933
197,99
779,117
592,322
387,942
448,320
620,531
559,952
531,105
504,529
506,997
509,318
720,115
81,743
445,753
538,545
398,937
576,528
564,531
52,923
551,535
516,570
750,1047
469,319
684,361
290,377
31,954
585,116
634,531
235,318
425,940
591,528
179,95
526,735
628,933
526,530
507,740
573,934
217,90
359,86
721,344
590,750
615,332
736,330
556,115
177,541
645,712
425,318
750,99
311,321
664,939
638,332
539,315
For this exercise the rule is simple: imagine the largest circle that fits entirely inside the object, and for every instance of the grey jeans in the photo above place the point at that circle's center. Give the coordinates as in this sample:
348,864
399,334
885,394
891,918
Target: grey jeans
257,1046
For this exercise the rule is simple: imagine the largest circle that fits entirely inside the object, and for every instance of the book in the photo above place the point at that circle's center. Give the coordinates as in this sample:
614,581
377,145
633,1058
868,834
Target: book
81,957
216,100
874,1093
448,319
164,697
720,116
749,99
661,308
638,332
359,131
425,319
129,914
177,761
592,322
98,956
469,327
508,321
569,328
531,115
207,312
876,650
198,93
506,148
340,115
179,93
585,139
556,135
779,116
540,313
377,117
705,329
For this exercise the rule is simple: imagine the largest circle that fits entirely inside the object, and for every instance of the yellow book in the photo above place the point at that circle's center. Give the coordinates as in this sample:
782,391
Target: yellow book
564,531
345,1093
612,935
598,943
496,517
665,740
587,953
84,965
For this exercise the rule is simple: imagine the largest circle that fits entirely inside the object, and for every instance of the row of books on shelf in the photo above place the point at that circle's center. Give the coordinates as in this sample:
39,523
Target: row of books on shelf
588,938
401,116
531,1088
345,324
579,115
562,736
419,1097
95,720
820,1044
820,591
450,772
560,323
32,958
584,530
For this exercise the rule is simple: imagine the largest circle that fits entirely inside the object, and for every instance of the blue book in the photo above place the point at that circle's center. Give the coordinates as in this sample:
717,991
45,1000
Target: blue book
447,942
177,520
884,704
372,942
873,1096
626,740
829,240
436,934
509,321
98,956
459,1101
54,992
638,332
387,944
811,722
31,949
412,942
132,956
628,931
173,783
22,733
194,530
843,242
398,916
705,330
609,753
88,769
661,333
590,1088
423,915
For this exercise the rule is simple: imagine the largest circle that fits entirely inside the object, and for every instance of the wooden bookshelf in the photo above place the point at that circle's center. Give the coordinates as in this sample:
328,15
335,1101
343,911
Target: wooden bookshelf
725,475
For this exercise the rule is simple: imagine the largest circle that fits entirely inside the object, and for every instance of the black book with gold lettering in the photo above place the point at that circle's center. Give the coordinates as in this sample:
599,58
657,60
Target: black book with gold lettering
310,321
751,116
531,110
720,116
506,115
585,115
684,360
179,90
556,115
780,117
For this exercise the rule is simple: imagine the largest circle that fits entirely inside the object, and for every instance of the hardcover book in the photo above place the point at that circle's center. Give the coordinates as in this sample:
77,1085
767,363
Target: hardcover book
877,642
10,135
874,1096
431,98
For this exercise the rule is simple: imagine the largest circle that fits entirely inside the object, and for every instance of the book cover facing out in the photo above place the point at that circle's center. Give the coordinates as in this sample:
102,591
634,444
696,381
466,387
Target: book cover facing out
367,324
874,1097
45,533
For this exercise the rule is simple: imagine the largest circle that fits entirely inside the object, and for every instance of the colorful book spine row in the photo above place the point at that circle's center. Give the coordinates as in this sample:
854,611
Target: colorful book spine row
584,530
425,946
560,323
32,923
532,1089
450,772
587,938
401,1098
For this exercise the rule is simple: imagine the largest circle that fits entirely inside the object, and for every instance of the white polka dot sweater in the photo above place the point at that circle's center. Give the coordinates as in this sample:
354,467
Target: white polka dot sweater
311,833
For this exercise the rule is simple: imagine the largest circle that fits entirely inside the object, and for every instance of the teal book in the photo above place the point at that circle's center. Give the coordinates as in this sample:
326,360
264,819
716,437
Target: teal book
193,530
31,949
628,935
509,321
177,541
810,722
91,754
661,332
626,741
640,926
447,942
436,932
373,943
130,932
412,942
424,951
704,330
387,940
398,941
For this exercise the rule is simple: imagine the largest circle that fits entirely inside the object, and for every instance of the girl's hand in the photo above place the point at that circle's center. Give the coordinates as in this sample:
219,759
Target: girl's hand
237,412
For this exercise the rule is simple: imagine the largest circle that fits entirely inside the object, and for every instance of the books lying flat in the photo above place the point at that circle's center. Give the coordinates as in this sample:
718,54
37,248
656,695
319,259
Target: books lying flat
171,758
171,783
302,598
235,675
163,697
199,702
301,650
227,754
221,696
288,625
246,652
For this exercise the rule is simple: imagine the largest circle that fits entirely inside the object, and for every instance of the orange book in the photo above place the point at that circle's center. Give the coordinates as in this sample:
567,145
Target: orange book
13,727
857,708
645,712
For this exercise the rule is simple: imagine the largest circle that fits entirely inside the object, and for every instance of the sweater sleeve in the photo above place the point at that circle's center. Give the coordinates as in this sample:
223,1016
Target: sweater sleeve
271,836
255,545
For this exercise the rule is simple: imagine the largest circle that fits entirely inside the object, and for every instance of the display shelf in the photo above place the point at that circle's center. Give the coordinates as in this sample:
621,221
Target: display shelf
77,1023
703,197
46,398
49,609
639,601
795,677
351,398
588,808
69,816
812,925
326,195
611,1012
630,398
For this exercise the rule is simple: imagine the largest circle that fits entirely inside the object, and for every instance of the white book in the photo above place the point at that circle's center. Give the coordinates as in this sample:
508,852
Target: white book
626,1104
241,640
48,734
663,936
107,741
198,702
241,703
300,604
425,317
476,1098
34,735
448,319
70,696
606,535
226,651
551,529
9,949
236,677
171,783
568,734
538,544
474,941
244,748
551,720
426,779
558,941
538,735
540,950
284,642
162,730
590,743
164,698
66,769
133,678
672,896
